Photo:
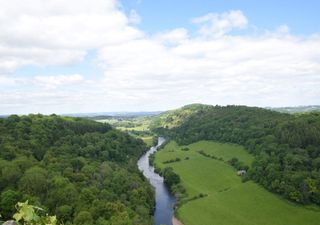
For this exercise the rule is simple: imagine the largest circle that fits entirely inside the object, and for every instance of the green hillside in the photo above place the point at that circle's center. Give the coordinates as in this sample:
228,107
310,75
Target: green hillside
144,126
140,124
286,147
174,118
227,200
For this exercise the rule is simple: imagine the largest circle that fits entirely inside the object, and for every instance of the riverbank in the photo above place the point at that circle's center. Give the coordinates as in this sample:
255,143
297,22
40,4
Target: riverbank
175,221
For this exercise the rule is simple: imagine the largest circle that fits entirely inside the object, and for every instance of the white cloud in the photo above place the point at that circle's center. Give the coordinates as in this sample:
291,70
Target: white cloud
273,68
53,82
173,36
160,71
12,57
216,25
7,81
55,32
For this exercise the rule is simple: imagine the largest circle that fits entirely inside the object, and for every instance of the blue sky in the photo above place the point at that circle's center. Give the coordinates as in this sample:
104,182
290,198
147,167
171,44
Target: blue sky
136,55
301,16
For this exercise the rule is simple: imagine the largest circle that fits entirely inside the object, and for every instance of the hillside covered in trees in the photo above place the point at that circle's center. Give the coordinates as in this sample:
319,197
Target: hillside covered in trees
82,171
286,147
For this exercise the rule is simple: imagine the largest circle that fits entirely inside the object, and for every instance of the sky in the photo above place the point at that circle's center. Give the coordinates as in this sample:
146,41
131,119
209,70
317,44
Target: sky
81,56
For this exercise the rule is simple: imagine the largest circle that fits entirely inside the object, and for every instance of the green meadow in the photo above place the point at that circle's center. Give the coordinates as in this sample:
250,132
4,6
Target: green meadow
128,124
148,140
229,201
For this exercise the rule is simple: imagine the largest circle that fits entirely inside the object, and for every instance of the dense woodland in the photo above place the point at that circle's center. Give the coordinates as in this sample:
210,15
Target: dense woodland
82,171
286,147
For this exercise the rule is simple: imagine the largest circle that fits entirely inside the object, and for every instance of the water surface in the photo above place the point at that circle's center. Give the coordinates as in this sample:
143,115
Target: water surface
164,200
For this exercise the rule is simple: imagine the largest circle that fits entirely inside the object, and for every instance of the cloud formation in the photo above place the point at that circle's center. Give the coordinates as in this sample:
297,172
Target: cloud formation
216,25
56,32
272,69
148,71
53,82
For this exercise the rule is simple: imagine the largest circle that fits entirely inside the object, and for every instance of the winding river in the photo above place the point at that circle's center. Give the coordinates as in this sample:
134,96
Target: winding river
164,200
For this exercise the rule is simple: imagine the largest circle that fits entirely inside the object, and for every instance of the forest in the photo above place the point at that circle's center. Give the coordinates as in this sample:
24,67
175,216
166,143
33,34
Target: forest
82,171
286,147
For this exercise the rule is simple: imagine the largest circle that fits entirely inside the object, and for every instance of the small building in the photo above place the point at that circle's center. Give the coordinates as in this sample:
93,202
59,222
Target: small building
241,172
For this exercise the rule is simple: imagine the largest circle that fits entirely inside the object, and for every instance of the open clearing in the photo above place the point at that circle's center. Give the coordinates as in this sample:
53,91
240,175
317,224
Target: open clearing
148,140
229,201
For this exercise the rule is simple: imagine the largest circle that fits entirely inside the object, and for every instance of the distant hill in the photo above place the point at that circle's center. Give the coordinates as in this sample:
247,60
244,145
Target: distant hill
297,109
108,115
104,115
176,117
179,114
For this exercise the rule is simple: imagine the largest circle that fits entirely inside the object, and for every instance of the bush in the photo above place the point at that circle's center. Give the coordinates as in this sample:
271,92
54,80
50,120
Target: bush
172,160
170,177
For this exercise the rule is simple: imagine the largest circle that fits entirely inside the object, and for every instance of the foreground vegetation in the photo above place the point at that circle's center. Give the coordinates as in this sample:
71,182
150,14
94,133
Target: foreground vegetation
82,171
214,194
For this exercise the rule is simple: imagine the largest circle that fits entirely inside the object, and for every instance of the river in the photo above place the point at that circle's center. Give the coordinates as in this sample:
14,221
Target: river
164,200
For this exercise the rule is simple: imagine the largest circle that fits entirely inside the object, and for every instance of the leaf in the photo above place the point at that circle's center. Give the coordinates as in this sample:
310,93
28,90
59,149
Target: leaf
17,216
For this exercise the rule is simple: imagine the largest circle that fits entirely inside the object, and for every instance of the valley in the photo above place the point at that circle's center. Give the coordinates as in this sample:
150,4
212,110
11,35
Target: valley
206,148
210,189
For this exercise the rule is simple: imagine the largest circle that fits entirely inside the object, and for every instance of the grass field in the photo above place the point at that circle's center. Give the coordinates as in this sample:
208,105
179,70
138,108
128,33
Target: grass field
148,140
128,124
229,201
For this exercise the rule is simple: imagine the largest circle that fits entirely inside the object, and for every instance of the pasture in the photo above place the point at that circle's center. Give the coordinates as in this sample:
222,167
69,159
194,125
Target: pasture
229,201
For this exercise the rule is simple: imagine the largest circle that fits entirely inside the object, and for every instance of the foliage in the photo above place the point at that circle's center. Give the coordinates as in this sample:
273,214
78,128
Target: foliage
237,164
172,160
28,215
170,177
72,167
8,200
